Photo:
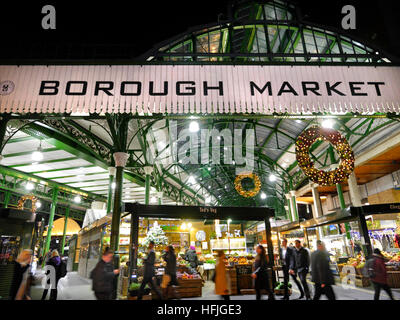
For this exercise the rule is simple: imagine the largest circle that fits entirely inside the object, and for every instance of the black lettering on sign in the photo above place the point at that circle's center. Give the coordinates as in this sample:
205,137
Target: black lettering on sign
164,93
138,85
104,86
220,88
310,86
189,91
354,89
289,89
49,88
332,88
82,91
266,86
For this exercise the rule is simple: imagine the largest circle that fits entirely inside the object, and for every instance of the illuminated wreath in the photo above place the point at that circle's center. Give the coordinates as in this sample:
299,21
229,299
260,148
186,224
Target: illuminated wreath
21,202
247,193
321,177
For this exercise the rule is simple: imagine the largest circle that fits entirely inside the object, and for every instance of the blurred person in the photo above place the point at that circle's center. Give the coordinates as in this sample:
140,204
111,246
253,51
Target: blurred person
222,280
19,285
260,274
170,270
103,276
322,275
302,265
148,276
191,257
59,266
378,274
287,257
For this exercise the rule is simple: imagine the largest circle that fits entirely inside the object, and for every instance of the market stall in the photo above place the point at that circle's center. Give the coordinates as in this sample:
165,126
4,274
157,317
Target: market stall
205,230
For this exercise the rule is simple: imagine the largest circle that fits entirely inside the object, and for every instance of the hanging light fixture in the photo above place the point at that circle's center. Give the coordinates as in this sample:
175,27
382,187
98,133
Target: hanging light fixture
327,124
272,177
263,196
194,126
38,154
77,199
191,180
29,186
38,204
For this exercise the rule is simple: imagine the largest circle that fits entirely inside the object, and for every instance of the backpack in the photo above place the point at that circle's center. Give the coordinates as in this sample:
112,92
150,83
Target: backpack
369,270
63,269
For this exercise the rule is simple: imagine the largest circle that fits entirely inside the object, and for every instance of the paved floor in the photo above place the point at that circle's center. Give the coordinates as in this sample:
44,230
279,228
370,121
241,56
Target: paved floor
74,287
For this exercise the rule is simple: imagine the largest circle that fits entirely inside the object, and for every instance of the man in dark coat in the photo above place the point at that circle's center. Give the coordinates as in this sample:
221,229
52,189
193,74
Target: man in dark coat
191,257
103,276
321,273
149,273
302,265
287,257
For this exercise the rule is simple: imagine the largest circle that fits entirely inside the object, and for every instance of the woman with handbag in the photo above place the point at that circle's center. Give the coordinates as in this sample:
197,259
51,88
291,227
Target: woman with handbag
169,280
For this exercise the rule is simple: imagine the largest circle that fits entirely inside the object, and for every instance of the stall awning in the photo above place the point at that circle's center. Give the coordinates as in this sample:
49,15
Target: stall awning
338,216
197,89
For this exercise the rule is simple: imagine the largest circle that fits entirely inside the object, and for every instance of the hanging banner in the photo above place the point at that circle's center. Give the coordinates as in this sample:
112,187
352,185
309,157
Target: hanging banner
191,89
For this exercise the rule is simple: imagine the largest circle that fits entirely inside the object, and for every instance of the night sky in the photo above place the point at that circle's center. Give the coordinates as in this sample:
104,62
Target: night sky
145,23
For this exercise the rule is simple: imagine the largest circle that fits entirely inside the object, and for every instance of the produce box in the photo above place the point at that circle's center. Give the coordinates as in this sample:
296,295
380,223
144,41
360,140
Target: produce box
145,297
359,280
189,292
393,279
190,283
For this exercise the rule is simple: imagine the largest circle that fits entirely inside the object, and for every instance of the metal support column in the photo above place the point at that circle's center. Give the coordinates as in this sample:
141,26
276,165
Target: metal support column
120,162
134,245
65,230
7,196
111,172
365,239
51,219
270,250
148,171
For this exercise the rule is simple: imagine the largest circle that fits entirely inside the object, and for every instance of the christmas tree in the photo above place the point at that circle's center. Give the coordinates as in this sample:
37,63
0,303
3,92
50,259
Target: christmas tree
157,235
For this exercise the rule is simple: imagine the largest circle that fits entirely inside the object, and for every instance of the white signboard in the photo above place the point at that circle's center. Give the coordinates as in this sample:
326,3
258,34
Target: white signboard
208,89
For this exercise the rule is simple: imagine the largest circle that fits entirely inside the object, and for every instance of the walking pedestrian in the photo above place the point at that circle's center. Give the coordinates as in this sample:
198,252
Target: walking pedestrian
322,275
260,274
378,275
287,258
222,280
103,276
170,272
60,270
191,257
19,285
148,276
302,265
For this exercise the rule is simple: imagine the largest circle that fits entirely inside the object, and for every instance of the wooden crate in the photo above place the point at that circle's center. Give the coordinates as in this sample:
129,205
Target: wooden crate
393,279
189,292
190,283
359,280
245,281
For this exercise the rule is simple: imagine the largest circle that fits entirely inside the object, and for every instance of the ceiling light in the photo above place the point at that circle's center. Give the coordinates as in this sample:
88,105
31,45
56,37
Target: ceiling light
29,186
194,126
191,180
263,196
38,204
37,155
77,199
272,177
208,200
298,121
327,124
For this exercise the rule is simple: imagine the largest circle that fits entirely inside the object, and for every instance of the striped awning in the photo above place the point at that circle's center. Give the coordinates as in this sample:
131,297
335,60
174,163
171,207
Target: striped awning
196,89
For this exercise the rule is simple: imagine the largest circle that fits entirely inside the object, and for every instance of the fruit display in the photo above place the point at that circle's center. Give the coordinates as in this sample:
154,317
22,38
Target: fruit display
187,276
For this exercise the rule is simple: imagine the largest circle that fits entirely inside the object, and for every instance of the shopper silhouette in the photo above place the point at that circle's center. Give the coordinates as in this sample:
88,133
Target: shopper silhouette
321,273
302,265
378,274
148,276
103,276
260,274
287,257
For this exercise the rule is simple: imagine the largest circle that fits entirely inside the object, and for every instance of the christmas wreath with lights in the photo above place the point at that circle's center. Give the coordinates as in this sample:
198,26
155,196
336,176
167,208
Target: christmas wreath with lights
343,148
242,191
21,202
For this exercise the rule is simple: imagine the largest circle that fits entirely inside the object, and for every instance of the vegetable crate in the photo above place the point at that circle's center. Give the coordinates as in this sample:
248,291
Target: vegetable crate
393,279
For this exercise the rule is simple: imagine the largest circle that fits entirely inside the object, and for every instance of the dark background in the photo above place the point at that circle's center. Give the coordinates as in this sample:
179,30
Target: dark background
142,24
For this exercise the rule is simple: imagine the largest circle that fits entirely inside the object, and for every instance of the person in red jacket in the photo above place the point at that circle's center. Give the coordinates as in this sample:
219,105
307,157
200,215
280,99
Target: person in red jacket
379,276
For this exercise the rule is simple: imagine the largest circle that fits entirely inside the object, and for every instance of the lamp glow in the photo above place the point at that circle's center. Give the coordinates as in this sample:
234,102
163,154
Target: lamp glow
327,124
29,186
272,178
77,199
37,155
194,126
263,196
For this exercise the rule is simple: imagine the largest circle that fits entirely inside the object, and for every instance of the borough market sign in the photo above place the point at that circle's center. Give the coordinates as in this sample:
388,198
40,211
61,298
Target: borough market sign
198,89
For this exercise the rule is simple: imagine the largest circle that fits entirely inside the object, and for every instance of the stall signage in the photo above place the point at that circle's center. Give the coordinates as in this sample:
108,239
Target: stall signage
192,89
208,210
381,208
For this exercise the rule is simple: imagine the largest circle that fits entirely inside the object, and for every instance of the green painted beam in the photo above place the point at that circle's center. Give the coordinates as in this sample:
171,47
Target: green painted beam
24,153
